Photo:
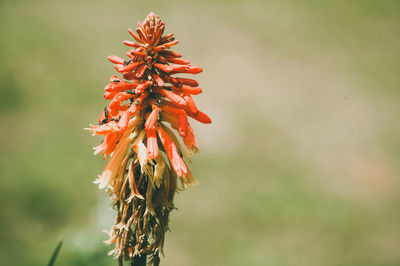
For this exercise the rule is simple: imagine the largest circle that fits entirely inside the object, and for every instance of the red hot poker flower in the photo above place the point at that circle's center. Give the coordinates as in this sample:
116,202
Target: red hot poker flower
146,156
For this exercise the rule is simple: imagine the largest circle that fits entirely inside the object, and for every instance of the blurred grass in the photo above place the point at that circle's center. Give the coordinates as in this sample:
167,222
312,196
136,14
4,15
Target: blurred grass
300,165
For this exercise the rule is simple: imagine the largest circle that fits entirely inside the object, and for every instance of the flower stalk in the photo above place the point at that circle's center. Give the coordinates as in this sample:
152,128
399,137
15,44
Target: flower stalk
149,108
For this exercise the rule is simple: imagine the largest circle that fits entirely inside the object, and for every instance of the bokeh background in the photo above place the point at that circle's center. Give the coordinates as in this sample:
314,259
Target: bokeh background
300,166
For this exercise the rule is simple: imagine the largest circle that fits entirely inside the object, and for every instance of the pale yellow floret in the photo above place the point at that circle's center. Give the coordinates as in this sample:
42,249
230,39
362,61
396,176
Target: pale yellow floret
113,165
159,170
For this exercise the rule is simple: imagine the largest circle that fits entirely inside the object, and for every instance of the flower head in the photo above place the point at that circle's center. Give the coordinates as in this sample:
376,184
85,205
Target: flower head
146,156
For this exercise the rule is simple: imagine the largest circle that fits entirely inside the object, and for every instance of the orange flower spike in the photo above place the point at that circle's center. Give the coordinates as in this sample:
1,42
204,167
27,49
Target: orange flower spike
141,175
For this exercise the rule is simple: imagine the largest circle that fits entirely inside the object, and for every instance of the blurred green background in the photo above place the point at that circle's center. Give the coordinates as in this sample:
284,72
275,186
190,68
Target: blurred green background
300,166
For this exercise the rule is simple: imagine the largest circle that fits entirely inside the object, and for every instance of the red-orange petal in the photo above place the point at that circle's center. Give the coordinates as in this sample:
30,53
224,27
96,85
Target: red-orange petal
152,119
126,68
109,95
172,96
135,106
152,146
171,53
119,98
141,70
132,44
189,82
201,117
159,48
163,67
191,105
123,121
181,117
142,86
135,36
177,163
158,79
137,52
193,70
169,44
188,89
115,59
180,68
178,60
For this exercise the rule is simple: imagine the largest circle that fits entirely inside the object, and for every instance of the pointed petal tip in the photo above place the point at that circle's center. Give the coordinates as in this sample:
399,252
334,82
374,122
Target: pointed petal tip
103,179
